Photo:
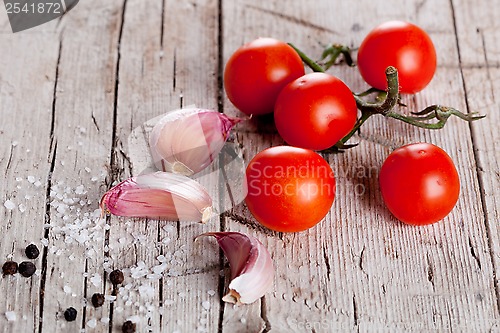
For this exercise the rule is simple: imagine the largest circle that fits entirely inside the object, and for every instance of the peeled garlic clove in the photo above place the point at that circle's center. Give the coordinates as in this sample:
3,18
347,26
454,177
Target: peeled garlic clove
252,269
186,141
159,195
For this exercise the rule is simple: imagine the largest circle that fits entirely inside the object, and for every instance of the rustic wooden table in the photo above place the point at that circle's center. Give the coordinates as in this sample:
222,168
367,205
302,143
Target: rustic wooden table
73,90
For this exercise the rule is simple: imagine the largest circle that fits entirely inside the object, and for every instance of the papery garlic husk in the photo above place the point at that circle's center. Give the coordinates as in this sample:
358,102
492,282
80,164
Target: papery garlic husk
252,269
186,141
159,195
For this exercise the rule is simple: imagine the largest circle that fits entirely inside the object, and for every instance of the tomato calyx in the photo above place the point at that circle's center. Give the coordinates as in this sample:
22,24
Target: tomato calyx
432,117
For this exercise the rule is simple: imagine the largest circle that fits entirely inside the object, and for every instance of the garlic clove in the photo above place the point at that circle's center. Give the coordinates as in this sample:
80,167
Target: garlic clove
252,269
159,195
186,141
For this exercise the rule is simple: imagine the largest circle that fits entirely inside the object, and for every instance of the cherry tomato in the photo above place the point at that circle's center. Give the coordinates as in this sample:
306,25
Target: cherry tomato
289,189
256,73
419,183
315,111
402,45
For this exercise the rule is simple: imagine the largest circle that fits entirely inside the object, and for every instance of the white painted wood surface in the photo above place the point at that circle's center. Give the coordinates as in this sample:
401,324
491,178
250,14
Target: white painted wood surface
72,91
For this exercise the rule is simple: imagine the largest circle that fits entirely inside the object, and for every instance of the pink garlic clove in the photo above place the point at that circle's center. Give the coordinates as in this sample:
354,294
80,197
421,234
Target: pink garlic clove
186,141
159,195
252,269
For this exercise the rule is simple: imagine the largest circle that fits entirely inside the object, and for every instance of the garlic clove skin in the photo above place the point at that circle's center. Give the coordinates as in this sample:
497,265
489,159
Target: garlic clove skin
186,141
161,195
252,268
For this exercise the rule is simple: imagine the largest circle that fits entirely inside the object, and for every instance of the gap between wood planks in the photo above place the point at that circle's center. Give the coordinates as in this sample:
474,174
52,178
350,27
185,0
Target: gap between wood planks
52,158
477,159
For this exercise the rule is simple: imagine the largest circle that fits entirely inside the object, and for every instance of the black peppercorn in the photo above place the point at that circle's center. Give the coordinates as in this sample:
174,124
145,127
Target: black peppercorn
32,251
97,300
70,314
116,277
27,268
9,268
128,327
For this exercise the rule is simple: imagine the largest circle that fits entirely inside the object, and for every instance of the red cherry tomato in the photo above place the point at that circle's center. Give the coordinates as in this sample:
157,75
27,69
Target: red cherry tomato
419,183
256,73
289,189
402,45
315,111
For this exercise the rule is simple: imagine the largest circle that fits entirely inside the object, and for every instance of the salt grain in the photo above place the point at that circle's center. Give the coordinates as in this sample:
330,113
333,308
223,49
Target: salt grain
110,298
44,242
211,292
96,280
146,291
67,289
206,305
10,315
92,323
134,319
9,204
105,320
31,179
22,208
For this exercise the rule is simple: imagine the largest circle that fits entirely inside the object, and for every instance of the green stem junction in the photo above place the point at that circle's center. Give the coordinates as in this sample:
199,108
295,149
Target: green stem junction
390,98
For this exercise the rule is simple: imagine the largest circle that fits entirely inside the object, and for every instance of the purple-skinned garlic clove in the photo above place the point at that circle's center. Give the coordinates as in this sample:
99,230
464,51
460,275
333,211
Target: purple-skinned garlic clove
186,141
159,195
252,268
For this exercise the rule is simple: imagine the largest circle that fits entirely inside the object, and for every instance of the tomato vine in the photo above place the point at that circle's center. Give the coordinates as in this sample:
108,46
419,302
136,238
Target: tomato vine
387,100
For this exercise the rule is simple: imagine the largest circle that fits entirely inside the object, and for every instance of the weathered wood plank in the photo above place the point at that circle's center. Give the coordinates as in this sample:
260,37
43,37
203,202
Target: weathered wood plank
83,114
26,93
478,39
162,68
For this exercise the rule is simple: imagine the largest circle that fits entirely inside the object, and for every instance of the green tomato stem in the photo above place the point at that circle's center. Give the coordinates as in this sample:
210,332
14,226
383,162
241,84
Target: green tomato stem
308,61
390,100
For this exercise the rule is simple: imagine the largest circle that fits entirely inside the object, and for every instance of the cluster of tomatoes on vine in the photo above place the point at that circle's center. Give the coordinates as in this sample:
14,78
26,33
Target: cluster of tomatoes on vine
291,187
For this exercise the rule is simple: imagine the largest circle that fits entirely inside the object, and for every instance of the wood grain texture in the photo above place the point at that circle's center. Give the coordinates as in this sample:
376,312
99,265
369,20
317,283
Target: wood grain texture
26,97
73,91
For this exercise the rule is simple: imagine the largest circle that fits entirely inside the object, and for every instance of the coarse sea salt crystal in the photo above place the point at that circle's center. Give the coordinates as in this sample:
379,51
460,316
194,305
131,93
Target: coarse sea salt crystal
31,179
92,323
211,292
146,291
110,298
22,208
67,289
134,319
9,204
44,242
105,320
205,305
10,315
96,280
